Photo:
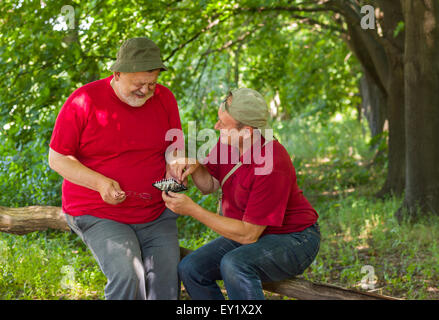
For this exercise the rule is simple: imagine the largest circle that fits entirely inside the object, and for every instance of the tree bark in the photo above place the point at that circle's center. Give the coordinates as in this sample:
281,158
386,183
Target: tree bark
393,46
373,105
37,218
421,107
29,219
395,180
302,289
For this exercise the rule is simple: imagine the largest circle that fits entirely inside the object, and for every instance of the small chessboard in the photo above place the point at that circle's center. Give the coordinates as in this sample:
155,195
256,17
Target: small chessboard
169,185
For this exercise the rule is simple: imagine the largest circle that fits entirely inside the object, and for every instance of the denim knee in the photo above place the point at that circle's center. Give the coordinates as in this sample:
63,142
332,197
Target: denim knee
185,267
127,284
240,278
232,266
182,267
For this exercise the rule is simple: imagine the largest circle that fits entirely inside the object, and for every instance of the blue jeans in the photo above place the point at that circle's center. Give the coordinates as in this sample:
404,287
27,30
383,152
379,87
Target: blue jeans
243,268
139,260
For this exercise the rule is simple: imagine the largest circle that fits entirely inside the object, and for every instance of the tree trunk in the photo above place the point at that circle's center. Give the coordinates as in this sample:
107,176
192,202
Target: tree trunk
373,105
395,180
37,218
421,73
394,48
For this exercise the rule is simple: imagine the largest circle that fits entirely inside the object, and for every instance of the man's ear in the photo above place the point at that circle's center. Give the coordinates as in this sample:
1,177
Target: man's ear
117,76
249,130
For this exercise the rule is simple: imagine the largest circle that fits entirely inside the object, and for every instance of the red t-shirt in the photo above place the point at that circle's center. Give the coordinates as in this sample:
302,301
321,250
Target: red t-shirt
264,190
124,143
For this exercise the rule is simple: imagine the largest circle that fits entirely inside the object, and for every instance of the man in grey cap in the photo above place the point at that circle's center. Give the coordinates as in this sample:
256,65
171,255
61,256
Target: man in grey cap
268,229
109,145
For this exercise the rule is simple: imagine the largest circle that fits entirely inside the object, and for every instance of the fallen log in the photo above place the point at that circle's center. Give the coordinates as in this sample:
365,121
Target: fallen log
29,219
302,289
39,218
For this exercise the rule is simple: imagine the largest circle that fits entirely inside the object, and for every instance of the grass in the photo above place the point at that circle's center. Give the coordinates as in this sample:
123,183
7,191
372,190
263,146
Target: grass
358,232
362,243
48,265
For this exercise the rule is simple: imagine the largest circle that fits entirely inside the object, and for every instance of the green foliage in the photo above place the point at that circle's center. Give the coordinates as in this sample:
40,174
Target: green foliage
209,46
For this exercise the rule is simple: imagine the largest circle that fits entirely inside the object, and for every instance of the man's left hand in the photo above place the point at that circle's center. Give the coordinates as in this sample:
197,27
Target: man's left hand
179,203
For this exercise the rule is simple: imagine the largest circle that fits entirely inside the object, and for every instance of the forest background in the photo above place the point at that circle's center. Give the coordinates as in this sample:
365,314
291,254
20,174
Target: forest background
352,91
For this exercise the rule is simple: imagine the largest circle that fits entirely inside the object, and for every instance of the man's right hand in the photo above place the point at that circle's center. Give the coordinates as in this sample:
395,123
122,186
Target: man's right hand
181,168
71,169
111,192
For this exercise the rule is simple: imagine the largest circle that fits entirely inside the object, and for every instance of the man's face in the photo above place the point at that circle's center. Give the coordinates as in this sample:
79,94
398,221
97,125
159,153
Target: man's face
229,133
134,88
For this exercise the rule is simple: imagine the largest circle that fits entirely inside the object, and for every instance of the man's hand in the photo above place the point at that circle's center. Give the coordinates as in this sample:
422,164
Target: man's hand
175,170
181,168
179,203
191,166
111,192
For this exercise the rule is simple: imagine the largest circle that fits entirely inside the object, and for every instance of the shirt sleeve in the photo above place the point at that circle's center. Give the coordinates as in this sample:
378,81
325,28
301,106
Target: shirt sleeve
174,115
70,123
268,199
171,106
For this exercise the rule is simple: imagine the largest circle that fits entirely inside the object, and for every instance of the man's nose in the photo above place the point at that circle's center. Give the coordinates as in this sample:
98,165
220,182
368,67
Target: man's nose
144,89
217,126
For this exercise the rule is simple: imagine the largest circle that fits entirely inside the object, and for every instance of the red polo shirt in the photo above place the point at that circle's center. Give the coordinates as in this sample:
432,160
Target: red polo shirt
264,190
124,143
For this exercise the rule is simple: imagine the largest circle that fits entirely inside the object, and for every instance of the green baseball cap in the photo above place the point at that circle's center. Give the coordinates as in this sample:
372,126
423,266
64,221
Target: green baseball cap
249,107
138,54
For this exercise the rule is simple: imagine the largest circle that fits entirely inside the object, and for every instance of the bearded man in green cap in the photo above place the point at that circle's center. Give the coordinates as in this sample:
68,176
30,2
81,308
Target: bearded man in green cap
268,230
109,145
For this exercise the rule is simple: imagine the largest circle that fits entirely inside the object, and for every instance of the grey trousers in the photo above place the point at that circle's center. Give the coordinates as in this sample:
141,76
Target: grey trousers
139,260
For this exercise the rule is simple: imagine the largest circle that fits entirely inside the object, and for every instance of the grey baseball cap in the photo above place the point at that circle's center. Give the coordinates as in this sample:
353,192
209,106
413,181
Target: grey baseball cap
249,107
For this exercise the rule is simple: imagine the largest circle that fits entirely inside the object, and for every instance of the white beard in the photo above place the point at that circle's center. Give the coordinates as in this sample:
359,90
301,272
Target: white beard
131,100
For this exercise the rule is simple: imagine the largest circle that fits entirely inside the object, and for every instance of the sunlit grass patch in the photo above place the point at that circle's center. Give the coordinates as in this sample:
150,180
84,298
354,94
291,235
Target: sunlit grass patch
359,232
48,265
